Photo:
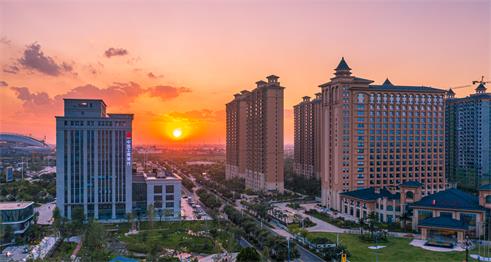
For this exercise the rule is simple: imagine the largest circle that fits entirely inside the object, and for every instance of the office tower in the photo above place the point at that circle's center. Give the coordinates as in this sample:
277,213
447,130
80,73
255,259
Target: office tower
93,160
467,137
255,136
379,136
307,122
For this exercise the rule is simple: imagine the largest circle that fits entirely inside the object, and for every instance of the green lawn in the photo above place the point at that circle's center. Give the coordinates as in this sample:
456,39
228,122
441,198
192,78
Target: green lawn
188,236
397,249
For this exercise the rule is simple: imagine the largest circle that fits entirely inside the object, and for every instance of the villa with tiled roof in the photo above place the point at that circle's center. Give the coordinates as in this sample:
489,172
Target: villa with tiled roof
446,216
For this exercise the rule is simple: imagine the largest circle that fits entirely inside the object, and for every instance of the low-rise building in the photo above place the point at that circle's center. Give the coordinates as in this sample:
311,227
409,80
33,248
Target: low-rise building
447,216
162,189
18,215
360,203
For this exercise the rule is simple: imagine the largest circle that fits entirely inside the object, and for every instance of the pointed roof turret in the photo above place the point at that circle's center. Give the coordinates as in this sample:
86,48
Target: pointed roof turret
342,65
342,69
387,82
450,93
481,89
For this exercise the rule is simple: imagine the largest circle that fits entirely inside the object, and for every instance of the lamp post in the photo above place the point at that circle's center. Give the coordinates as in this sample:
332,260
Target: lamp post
467,244
288,241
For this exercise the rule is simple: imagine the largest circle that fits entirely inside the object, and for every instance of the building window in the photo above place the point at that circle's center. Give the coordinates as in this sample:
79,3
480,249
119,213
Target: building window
423,214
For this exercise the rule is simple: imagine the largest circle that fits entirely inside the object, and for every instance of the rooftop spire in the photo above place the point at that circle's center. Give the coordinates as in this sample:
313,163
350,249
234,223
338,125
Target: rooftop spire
481,89
343,70
387,82
342,65
450,93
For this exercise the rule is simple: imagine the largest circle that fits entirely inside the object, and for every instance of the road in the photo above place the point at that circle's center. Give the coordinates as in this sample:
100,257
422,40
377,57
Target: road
188,209
46,213
305,255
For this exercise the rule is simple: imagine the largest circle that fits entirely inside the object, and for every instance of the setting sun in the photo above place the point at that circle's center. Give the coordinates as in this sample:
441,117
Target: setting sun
177,133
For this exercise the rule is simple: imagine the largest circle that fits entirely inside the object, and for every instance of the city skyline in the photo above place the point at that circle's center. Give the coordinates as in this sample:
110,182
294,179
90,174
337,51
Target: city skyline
161,67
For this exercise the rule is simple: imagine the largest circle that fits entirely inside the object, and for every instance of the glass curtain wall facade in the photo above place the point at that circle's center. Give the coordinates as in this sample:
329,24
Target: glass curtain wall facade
94,161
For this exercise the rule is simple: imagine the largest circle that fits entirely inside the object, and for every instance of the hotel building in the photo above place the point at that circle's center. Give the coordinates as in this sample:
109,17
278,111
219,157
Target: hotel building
255,136
468,138
307,124
379,136
93,153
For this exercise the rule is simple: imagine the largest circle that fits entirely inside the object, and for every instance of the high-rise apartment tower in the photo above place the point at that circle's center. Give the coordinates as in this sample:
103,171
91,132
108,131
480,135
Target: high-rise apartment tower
468,139
255,136
307,127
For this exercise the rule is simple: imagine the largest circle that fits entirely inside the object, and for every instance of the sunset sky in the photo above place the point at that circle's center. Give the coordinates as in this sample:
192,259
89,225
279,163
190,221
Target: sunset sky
175,64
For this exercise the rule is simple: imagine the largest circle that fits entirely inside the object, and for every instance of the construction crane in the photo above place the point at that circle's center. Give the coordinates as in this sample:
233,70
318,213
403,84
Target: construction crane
481,82
458,87
473,83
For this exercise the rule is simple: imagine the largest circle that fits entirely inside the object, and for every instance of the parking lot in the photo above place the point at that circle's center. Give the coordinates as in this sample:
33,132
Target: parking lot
191,210
15,253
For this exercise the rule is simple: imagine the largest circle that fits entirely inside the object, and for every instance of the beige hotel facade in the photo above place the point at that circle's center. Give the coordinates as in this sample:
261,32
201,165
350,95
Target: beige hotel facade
254,145
379,136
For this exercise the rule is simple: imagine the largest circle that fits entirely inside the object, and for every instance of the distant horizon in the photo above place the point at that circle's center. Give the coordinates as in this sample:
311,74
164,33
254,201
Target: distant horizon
175,74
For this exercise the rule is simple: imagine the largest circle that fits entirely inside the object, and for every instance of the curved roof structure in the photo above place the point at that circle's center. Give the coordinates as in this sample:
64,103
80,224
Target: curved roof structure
18,138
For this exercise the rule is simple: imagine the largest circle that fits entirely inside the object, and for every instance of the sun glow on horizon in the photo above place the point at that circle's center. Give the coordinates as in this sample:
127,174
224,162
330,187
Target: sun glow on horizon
177,133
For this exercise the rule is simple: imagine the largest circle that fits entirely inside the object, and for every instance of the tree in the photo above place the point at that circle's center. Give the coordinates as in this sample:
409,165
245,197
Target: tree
248,254
303,233
160,212
94,240
33,232
150,215
77,218
261,209
129,216
404,218
59,222
372,223
362,225
168,213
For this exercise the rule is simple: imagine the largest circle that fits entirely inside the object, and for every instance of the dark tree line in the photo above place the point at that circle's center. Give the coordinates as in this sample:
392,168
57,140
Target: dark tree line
271,245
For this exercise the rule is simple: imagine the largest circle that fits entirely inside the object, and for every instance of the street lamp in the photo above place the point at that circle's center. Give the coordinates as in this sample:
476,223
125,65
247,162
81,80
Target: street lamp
288,241
467,244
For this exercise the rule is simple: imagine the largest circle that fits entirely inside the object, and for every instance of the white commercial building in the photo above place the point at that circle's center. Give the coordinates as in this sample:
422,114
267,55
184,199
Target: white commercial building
161,189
